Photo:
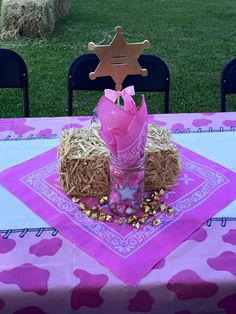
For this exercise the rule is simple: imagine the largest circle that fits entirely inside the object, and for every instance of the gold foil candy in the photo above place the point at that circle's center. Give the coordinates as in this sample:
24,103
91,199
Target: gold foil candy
82,206
156,222
170,210
136,224
87,212
94,208
109,218
163,207
121,221
94,215
148,200
147,208
103,200
102,216
151,212
154,205
142,220
75,199
131,219
154,196
161,192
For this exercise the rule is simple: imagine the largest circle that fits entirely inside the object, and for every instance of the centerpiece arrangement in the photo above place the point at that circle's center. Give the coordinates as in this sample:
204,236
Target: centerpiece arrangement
123,161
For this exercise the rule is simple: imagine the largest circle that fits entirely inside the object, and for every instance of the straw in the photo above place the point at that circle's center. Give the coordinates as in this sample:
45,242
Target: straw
31,18
84,161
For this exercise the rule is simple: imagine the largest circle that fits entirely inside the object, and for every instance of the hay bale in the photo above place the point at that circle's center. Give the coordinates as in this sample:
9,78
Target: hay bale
84,162
62,8
31,18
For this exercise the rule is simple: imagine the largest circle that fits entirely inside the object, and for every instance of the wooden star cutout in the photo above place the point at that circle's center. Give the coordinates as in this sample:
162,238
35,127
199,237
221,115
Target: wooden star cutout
118,59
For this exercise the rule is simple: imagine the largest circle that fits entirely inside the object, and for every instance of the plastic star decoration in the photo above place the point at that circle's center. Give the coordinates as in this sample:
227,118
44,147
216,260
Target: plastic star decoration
127,193
118,59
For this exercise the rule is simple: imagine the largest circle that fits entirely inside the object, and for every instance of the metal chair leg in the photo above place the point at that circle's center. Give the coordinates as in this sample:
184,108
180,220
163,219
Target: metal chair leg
223,102
69,104
26,102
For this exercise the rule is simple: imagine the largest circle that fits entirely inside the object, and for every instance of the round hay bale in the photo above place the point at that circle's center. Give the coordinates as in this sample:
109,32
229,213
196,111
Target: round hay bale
62,8
84,162
31,18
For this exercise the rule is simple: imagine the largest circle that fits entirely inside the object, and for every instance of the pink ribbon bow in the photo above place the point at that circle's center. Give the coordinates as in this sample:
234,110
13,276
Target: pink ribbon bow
113,94
126,94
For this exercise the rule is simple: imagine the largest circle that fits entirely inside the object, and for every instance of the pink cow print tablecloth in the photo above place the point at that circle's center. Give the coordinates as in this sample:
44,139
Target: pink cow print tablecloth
46,270
49,274
35,128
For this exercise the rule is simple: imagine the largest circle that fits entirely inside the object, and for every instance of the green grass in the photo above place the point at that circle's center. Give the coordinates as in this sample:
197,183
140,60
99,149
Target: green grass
195,38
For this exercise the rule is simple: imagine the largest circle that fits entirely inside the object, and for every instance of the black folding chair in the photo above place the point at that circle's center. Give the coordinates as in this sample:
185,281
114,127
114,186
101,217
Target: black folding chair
157,80
14,74
228,82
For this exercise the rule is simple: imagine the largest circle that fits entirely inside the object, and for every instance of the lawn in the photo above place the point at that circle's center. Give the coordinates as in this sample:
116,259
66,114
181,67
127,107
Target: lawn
195,39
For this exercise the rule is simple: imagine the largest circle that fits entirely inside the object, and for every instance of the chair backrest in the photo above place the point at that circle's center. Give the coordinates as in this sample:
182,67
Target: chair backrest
14,74
228,82
157,80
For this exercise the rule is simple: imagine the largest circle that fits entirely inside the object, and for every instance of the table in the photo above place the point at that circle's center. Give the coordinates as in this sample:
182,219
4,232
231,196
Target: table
43,272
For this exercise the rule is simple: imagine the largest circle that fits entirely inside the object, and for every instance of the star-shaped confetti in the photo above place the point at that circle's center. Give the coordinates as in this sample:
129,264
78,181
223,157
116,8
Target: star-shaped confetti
127,193
118,59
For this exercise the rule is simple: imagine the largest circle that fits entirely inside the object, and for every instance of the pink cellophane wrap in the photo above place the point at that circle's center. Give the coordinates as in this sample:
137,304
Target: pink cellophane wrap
123,128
